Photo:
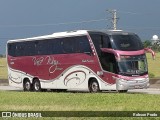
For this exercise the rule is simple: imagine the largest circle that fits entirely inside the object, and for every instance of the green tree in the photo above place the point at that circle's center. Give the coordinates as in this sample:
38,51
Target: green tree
156,47
147,43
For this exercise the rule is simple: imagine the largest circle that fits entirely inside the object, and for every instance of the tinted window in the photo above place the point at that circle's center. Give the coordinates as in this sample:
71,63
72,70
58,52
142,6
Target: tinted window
126,42
41,47
83,45
30,48
100,41
78,44
20,49
56,46
108,62
16,49
97,43
69,45
106,42
11,49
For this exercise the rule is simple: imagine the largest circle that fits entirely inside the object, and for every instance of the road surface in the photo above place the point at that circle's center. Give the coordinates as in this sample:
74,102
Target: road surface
146,91
143,91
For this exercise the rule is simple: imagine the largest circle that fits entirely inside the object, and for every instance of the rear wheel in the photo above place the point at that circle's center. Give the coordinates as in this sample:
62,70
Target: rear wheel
36,85
94,86
27,85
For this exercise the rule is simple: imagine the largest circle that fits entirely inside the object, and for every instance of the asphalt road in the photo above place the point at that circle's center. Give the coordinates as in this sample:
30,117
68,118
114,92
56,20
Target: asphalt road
139,91
146,91
9,88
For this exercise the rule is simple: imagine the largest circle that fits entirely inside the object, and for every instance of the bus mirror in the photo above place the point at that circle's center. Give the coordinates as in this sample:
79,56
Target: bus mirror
150,51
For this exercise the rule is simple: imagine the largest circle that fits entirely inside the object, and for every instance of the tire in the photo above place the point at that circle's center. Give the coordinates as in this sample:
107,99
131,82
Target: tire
94,86
36,85
27,85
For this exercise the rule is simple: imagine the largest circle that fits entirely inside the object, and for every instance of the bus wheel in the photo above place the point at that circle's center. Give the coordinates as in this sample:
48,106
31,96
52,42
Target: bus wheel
94,86
36,85
27,85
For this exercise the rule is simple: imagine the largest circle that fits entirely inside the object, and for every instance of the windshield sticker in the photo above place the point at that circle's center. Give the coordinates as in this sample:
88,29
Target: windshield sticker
125,45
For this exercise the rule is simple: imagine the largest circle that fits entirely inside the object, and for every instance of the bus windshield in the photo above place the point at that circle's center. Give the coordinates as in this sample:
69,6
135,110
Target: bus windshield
132,65
126,42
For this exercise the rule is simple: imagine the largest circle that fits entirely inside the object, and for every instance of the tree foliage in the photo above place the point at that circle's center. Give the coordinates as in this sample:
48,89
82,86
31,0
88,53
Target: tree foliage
147,43
154,46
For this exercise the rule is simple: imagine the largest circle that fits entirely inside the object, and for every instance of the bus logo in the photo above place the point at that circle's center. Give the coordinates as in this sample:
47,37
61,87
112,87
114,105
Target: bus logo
6,114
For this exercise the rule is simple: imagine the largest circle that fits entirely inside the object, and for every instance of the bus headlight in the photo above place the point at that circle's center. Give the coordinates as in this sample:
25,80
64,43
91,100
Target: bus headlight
147,79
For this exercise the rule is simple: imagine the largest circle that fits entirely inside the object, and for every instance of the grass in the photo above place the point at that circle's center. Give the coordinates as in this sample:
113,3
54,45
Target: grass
3,68
154,65
51,101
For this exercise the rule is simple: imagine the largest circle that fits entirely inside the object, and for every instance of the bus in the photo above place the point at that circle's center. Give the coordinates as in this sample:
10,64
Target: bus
82,60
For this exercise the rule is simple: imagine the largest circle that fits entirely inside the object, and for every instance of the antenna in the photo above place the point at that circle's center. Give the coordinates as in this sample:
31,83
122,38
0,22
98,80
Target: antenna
114,18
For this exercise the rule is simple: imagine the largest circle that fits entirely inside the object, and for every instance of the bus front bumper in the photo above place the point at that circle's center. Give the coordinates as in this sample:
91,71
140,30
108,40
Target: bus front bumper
138,83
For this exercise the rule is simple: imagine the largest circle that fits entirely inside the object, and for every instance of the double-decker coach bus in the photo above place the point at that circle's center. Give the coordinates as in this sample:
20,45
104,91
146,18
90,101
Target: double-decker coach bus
78,60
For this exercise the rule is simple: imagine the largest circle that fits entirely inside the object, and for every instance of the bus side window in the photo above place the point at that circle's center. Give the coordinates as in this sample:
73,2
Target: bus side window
100,41
30,48
19,50
42,47
68,45
96,38
106,42
11,49
48,47
77,44
57,46
83,45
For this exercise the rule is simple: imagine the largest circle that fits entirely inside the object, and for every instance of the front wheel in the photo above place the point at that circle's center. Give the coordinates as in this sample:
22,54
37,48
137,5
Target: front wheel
36,85
94,86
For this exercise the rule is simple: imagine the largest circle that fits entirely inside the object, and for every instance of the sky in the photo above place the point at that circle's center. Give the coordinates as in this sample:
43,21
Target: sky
30,18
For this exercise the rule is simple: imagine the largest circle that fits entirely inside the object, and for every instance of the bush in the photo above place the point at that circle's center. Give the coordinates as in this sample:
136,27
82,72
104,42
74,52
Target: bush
151,75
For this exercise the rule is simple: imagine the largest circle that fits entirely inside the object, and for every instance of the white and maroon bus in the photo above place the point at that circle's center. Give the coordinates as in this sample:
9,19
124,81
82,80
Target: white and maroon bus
78,60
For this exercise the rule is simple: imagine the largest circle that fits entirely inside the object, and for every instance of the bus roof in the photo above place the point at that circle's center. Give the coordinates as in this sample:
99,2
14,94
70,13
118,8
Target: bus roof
69,34
113,32
54,35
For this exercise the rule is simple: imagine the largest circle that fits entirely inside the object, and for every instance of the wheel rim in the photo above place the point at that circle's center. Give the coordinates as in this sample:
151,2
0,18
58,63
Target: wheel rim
27,86
94,87
37,86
